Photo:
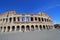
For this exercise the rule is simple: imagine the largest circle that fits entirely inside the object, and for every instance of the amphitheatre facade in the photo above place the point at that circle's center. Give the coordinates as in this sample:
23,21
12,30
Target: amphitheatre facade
12,22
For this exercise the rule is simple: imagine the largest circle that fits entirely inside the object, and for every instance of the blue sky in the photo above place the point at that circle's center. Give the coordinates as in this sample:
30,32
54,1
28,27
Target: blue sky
50,7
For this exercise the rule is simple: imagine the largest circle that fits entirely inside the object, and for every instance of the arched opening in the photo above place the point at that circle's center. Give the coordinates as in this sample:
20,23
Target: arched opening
47,26
3,19
23,19
13,28
4,29
14,19
36,26
32,27
1,28
43,26
10,19
31,18
27,28
27,19
45,19
38,18
18,28
6,19
18,18
42,19
40,26
23,28
35,18
8,28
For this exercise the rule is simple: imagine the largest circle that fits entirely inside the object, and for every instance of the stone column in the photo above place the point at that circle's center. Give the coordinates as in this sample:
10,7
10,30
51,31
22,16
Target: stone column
6,29
25,27
42,27
34,27
37,19
48,27
16,19
20,28
20,19
29,19
45,27
12,20
44,19
10,28
5,20
30,27
25,19
2,29
38,28
8,20
15,28
34,19
41,19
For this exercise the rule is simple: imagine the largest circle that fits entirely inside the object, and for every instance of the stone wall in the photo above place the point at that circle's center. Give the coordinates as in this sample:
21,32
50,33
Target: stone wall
10,21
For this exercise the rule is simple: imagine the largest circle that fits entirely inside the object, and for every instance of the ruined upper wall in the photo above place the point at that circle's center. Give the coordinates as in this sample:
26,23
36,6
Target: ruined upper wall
8,13
14,13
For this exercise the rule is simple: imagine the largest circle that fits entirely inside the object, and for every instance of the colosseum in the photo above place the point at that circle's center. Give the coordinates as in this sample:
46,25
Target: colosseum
12,22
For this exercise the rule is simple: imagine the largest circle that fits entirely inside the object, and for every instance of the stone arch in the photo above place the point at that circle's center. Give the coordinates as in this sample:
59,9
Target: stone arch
36,26
43,26
1,28
32,27
8,28
28,27
38,18
4,28
45,19
40,26
27,19
31,18
6,19
42,19
18,18
3,19
23,28
14,19
47,26
35,18
13,28
10,19
18,28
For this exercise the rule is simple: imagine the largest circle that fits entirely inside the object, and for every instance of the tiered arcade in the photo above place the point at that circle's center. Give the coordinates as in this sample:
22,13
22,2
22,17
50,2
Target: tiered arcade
12,22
